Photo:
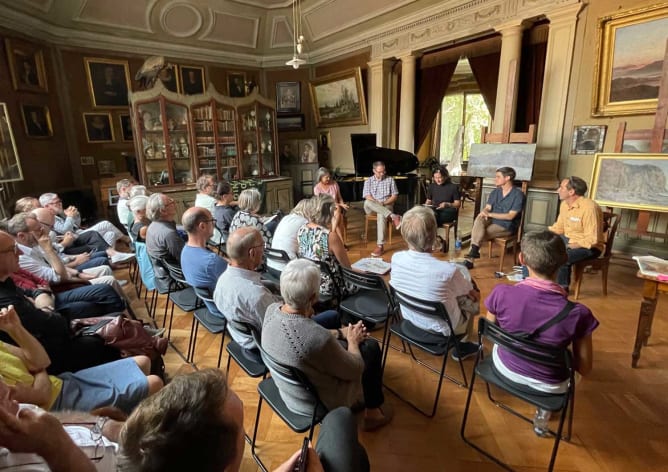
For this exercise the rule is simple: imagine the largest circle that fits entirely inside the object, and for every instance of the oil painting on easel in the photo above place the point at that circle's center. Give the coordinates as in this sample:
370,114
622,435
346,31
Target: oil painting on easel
484,159
634,181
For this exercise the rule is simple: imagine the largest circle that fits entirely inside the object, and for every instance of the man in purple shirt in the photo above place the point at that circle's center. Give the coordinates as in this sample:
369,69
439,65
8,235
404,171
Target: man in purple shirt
526,306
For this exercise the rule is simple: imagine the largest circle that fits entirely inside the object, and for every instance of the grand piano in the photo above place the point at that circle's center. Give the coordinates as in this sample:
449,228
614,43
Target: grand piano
398,164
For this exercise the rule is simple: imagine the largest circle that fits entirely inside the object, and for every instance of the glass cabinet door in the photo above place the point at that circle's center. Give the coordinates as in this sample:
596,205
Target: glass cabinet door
266,137
257,123
177,147
227,141
215,139
149,122
205,146
250,162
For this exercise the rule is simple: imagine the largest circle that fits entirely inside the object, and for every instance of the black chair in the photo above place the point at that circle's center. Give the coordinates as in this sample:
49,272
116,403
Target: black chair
212,323
410,334
269,392
276,255
327,301
373,303
532,351
254,367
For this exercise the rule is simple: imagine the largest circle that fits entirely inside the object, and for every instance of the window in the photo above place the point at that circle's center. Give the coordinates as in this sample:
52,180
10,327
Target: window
462,109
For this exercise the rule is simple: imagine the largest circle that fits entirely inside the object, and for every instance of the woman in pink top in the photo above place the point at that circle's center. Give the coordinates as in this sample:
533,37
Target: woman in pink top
327,185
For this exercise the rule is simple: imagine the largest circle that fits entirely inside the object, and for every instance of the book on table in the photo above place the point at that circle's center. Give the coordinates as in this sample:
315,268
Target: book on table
652,266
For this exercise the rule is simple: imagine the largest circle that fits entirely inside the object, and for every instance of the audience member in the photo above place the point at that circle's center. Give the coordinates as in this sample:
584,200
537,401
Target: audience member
250,202
342,372
123,187
325,184
438,280
225,208
530,305
502,213
137,190
379,193
26,204
162,239
285,236
443,196
206,198
580,224
140,221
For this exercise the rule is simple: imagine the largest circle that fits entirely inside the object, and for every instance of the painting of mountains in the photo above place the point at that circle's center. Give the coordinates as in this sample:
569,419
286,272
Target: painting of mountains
484,159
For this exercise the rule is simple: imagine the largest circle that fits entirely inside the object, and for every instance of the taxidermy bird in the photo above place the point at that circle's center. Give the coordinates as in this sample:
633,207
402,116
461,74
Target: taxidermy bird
149,72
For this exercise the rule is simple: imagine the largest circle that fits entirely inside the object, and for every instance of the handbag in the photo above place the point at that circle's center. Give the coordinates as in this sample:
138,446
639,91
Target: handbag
126,335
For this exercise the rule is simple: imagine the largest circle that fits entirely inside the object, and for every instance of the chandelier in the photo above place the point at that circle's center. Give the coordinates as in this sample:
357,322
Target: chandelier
297,36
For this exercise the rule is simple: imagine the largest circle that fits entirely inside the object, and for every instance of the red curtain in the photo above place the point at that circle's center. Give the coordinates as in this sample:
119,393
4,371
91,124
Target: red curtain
486,72
432,83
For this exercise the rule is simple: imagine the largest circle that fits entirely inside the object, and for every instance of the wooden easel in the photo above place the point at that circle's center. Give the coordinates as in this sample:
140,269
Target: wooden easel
656,136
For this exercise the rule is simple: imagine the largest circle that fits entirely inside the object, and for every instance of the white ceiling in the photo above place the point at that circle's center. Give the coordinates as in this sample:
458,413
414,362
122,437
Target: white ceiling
255,32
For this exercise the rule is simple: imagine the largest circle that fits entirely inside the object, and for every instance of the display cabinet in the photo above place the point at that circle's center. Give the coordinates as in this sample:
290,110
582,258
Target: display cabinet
257,136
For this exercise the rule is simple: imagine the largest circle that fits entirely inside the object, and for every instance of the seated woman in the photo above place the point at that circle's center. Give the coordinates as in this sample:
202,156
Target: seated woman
285,236
443,197
317,243
342,364
250,202
225,208
140,222
329,186
530,304
122,384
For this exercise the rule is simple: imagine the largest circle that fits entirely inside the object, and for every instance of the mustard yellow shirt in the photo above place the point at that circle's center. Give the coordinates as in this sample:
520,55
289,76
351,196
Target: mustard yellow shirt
13,371
581,223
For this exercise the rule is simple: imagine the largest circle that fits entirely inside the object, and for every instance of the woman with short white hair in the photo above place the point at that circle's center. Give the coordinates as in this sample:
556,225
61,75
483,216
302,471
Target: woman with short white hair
250,201
344,364
140,221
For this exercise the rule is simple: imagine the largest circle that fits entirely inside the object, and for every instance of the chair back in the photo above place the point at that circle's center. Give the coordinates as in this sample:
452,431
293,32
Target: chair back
145,267
366,281
278,255
611,221
175,272
325,269
427,308
204,294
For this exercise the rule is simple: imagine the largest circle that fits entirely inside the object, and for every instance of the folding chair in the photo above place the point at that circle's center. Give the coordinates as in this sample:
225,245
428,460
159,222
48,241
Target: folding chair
269,392
407,332
147,277
329,300
275,255
214,322
532,351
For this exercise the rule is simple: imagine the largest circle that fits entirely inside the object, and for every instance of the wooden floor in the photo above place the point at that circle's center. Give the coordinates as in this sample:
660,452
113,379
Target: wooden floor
620,413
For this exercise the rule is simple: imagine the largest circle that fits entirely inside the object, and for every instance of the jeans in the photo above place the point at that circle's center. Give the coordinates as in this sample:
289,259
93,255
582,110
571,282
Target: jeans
445,215
338,446
88,301
574,255
372,377
87,242
328,319
97,259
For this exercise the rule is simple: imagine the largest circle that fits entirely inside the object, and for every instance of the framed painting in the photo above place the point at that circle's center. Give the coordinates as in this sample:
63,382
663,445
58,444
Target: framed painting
126,127
26,66
192,80
634,181
98,127
10,164
308,151
629,61
290,122
169,76
588,139
289,151
338,99
108,82
288,98
36,121
484,159
236,84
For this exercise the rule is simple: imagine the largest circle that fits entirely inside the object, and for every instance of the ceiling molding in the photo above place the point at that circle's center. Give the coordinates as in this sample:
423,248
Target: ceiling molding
263,4
173,8
145,27
217,19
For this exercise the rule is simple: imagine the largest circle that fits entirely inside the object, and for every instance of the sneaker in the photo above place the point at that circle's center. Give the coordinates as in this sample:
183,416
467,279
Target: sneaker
378,252
122,282
122,257
396,221
466,350
372,424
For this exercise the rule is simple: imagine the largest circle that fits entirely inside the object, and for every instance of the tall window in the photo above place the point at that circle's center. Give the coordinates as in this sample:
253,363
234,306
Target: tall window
467,109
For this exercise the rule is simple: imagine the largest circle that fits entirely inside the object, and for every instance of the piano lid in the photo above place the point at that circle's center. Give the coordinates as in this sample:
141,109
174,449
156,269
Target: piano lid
365,153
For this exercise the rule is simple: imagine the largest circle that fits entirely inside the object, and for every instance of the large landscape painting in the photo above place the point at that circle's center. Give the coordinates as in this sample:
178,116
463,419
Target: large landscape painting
484,159
338,99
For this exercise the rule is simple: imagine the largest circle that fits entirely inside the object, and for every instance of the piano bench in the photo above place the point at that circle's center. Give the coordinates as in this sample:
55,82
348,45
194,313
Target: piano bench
374,217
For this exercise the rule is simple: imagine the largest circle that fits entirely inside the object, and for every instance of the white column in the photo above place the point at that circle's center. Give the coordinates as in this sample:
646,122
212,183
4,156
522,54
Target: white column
379,99
407,105
558,63
511,49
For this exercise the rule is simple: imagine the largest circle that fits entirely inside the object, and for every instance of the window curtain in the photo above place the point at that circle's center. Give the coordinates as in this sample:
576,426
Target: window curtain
432,84
532,73
486,72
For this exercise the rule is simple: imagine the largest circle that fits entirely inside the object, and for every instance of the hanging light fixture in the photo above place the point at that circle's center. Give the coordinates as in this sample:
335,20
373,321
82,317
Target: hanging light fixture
297,36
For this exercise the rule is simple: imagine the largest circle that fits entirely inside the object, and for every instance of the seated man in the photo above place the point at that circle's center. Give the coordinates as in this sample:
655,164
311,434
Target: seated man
122,384
443,196
162,239
70,220
201,266
502,213
531,304
241,296
438,280
580,224
379,193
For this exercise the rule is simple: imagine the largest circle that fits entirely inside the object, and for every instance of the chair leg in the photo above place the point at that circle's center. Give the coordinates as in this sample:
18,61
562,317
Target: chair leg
190,355
578,272
220,352
502,258
604,276
257,423
490,245
366,229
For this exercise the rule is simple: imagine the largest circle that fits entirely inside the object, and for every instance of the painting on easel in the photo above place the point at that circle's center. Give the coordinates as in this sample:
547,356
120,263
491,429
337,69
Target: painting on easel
484,159
634,181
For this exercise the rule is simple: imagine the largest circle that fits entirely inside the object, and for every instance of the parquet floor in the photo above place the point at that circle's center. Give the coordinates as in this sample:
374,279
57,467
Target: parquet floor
620,413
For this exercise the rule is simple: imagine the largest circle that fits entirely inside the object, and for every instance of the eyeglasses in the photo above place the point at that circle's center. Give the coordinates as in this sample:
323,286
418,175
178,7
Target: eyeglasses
15,249
95,431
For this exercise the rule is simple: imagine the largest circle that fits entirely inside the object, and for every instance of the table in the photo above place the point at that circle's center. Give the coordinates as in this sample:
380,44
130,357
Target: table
650,294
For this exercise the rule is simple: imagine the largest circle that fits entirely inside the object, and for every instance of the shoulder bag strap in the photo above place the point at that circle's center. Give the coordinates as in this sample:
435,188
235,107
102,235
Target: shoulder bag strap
553,321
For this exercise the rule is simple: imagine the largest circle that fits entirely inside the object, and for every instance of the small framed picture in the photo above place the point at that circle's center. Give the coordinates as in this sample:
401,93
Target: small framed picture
308,151
108,82
36,121
588,139
126,127
98,127
324,140
169,76
290,122
192,80
26,65
288,99
236,84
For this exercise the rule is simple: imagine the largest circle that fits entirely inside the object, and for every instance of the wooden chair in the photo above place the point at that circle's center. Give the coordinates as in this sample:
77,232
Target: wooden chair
445,234
513,239
374,218
602,263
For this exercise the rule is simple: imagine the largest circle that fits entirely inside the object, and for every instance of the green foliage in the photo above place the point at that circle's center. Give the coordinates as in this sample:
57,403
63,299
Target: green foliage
466,109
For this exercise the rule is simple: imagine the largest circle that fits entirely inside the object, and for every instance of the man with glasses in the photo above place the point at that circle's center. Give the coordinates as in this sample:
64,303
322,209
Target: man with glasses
163,241
379,193
580,224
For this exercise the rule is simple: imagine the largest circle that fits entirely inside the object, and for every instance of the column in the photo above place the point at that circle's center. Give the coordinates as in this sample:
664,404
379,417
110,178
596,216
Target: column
511,50
407,105
379,99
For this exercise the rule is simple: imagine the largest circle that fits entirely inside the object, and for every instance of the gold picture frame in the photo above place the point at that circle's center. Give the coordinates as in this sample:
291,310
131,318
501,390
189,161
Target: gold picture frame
98,127
36,121
629,58
108,82
631,181
338,99
26,66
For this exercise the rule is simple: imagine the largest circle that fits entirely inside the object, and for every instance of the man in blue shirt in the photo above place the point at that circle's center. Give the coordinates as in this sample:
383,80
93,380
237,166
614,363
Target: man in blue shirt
201,266
502,213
